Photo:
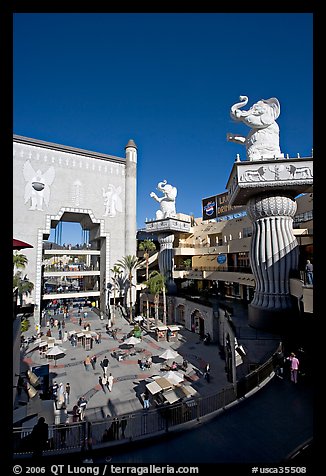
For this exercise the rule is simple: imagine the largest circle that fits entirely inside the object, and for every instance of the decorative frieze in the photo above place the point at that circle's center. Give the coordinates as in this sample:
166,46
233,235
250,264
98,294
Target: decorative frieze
249,178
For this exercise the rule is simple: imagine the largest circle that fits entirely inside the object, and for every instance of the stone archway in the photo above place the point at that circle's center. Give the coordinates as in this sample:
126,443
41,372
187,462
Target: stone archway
180,315
98,245
197,323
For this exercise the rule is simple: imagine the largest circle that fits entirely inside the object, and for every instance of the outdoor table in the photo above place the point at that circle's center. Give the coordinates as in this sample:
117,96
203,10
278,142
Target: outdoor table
164,383
160,333
185,391
80,337
88,341
171,396
172,333
154,387
51,342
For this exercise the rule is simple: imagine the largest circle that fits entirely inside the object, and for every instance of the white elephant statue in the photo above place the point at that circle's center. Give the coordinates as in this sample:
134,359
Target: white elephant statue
167,202
262,142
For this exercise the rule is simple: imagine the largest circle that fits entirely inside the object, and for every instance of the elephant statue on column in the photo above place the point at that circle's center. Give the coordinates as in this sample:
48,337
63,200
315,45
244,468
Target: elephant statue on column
167,202
262,142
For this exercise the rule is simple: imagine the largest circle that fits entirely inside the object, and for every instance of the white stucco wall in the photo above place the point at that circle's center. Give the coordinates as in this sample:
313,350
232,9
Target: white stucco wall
76,181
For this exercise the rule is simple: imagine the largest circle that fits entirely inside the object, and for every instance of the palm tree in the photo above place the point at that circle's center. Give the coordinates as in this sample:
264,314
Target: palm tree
156,285
129,263
23,285
19,261
116,270
147,246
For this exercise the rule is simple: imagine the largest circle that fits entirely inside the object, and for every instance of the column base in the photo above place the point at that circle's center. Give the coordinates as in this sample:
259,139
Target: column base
275,321
171,288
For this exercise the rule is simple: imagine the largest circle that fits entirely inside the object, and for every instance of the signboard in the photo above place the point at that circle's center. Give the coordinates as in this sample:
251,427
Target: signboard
223,207
209,208
218,207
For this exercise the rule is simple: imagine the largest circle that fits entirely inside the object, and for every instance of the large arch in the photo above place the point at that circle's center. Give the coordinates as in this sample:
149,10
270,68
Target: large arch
197,322
99,245
180,314
54,183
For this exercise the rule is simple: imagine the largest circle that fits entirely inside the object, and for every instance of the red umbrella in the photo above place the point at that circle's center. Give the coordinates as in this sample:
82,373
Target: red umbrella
18,245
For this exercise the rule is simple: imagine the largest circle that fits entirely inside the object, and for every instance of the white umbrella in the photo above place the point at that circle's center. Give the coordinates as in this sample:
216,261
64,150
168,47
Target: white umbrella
173,377
55,352
138,318
132,341
169,354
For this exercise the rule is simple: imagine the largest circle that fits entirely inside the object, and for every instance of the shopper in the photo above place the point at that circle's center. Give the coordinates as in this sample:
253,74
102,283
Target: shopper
40,436
146,399
105,364
67,392
294,367
309,272
110,382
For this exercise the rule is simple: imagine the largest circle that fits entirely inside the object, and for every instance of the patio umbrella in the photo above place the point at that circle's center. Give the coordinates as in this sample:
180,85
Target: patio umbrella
18,244
169,354
173,377
132,341
138,318
56,352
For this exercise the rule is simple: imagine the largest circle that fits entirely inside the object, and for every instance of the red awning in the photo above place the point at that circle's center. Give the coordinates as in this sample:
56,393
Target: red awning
18,245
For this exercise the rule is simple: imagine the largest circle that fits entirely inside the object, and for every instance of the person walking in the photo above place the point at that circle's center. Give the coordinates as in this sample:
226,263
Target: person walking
61,395
93,361
110,382
206,372
123,425
115,428
294,367
105,364
100,381
39,437
146,399
309,272
67,392
87,363
82,403
55,388
278,360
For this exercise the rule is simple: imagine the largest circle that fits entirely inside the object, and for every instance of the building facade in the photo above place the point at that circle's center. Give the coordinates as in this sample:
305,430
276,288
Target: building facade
212,260
54,183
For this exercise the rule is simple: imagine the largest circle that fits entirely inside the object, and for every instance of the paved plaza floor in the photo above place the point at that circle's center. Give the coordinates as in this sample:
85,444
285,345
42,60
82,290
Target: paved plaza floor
280,414
129,379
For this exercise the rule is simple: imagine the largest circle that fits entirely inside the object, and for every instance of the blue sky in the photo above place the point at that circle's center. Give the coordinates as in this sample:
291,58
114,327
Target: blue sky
167,81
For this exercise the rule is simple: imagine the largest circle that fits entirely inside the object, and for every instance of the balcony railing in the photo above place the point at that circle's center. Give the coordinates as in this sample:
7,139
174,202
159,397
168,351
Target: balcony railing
67,268
140,425
232,269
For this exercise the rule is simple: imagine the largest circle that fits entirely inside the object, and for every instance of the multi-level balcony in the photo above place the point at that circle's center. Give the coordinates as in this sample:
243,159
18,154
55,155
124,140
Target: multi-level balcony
69,273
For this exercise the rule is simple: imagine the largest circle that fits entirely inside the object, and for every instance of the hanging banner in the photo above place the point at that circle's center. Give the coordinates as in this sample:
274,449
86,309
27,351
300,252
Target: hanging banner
218,207
209,208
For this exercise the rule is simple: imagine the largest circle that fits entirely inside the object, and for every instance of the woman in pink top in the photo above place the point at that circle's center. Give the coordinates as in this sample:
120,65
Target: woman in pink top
294,367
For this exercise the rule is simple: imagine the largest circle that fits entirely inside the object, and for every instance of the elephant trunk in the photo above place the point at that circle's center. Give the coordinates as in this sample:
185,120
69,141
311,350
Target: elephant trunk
235,113
161,185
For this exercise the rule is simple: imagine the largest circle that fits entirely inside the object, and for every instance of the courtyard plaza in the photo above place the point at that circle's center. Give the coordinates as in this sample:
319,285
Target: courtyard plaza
129,379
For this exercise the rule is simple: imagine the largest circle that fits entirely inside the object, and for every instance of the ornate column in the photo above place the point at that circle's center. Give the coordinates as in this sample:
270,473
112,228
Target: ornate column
267,183
268,190
165,259
274,250
166,229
